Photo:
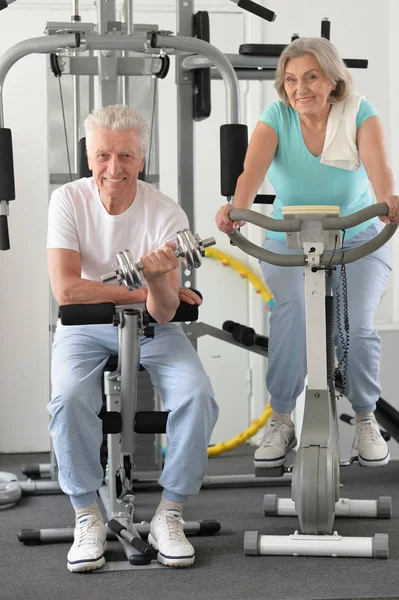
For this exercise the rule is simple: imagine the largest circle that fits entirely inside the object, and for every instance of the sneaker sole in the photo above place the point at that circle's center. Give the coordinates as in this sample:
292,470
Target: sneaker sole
269,463
90,565
364,462
169,561
86,566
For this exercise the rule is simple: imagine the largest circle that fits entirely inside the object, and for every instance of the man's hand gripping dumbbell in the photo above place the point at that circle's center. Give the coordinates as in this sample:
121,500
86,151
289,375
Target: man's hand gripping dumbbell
189,248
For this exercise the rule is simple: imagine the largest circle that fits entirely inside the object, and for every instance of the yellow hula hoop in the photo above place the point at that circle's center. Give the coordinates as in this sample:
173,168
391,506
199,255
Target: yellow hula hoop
246,273
242,437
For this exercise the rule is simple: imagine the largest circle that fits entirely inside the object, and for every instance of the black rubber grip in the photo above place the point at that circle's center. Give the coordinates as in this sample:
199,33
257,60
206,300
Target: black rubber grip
326,29
245,335
208,527
83,165
256,9
30,537
144,548
347,419
4,235
149,421
115,526
233,147
31,471
7,185
3,4
87,314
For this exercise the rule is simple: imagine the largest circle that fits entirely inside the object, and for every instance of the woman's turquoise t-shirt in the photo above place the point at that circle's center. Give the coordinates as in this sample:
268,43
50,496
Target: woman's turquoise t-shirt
299,178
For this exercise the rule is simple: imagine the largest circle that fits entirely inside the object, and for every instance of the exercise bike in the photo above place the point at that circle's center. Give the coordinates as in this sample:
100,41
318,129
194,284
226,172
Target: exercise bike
316,467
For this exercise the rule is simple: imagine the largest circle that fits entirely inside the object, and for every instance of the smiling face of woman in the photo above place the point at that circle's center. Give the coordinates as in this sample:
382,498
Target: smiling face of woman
307,87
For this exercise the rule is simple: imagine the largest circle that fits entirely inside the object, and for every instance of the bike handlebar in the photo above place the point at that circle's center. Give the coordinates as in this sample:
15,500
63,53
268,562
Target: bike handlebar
328,223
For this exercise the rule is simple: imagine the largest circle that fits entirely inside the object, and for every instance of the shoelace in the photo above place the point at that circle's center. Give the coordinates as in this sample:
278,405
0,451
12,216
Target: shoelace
369,431
87,533
172,526
275,435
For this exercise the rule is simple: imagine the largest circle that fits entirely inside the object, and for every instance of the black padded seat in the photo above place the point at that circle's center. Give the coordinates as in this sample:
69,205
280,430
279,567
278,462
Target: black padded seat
112,363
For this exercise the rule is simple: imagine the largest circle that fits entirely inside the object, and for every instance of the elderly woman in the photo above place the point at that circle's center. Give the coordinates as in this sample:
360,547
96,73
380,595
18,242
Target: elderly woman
292,143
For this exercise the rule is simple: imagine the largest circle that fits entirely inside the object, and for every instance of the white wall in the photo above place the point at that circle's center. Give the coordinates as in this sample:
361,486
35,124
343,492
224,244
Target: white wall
24,296
24,340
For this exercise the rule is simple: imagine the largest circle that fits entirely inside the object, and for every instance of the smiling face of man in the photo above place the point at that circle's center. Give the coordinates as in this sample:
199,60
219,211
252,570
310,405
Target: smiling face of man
115,160
306,85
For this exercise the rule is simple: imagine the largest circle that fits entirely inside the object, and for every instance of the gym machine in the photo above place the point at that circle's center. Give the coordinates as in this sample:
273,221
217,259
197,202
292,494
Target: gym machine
104,50
315,470
121,420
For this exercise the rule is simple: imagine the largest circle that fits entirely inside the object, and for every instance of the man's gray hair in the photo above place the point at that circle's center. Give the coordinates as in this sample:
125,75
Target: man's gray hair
118,118
330,63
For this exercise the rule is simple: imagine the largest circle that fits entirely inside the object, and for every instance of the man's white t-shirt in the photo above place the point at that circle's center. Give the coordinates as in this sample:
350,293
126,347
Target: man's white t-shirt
79,221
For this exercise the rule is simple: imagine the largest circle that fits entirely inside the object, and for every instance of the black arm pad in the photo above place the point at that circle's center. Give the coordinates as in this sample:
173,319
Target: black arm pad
356,63
87,314
185,312
96,314
233,147
7,186
83,165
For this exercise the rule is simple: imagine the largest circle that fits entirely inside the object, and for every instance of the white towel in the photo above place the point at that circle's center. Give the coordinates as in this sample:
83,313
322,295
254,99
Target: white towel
340,148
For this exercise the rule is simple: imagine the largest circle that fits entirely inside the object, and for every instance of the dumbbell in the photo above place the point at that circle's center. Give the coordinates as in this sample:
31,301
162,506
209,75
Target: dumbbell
189,248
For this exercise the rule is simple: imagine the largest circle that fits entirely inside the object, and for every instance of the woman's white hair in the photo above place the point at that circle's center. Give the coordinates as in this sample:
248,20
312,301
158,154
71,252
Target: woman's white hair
119,118
330,63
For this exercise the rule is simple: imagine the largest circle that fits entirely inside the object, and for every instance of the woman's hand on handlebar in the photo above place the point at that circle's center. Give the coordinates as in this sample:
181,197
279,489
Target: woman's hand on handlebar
223,221
393,215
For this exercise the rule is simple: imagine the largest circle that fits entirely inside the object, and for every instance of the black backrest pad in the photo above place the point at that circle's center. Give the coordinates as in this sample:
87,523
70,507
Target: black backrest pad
7,185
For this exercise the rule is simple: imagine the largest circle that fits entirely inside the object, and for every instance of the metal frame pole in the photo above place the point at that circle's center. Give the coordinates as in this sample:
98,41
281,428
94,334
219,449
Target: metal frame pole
39,45
185,128
107,59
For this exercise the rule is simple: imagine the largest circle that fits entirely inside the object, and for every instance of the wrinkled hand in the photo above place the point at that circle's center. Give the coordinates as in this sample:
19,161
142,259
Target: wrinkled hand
161,261
393,215
223,221
187,295
141,295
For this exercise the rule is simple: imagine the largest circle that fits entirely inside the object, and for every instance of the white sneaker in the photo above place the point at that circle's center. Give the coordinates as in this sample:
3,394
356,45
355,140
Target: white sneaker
372,449
87,551
279,438
167,536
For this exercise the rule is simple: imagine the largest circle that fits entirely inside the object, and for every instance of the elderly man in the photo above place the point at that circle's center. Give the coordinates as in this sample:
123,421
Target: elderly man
90,220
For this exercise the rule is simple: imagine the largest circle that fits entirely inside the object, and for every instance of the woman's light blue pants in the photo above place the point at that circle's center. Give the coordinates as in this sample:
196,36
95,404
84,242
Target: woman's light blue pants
287,366
79,355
